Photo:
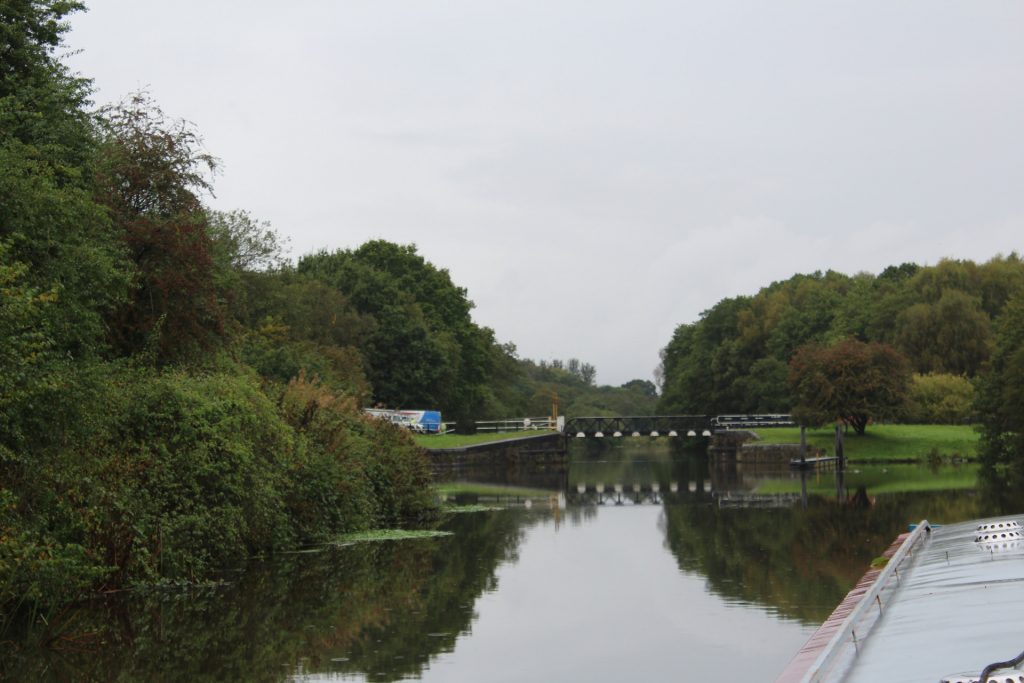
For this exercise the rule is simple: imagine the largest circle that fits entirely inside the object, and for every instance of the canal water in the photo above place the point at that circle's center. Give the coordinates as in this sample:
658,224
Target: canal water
639,561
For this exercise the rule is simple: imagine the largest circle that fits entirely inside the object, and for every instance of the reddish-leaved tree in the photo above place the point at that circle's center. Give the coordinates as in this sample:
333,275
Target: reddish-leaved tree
850,381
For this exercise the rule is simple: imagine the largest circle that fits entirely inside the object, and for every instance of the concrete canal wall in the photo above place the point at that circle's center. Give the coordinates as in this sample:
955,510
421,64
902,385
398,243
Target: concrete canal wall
742,446
536,450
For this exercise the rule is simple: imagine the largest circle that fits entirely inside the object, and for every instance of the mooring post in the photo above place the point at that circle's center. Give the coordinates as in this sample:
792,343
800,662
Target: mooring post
839,446
803,446
803,487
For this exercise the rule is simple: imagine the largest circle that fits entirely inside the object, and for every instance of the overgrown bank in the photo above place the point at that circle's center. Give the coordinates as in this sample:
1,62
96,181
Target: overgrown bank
173,398
183,475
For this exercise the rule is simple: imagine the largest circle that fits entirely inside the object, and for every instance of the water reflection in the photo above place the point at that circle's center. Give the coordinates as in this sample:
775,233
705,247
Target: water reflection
641,560
383,609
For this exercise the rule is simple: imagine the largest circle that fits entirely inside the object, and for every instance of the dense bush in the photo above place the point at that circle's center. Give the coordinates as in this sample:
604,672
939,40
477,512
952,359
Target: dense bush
350,471
185,475
939,398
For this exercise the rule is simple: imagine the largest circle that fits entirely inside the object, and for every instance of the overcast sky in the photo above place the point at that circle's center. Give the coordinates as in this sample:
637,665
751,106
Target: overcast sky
595,173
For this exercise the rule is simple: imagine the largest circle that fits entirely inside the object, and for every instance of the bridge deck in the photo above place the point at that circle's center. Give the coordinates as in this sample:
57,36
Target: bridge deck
670,425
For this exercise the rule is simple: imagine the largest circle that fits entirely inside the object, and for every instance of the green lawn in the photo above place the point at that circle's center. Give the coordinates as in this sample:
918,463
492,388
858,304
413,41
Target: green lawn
887,442
463,440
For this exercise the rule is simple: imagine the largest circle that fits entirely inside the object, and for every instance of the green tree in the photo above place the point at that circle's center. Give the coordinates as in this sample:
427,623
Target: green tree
849,381
424,350
47,217
952,335
25,350
644,387
1000,399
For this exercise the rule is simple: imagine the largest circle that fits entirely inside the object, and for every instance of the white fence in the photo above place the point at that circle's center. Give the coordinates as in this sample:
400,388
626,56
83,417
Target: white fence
521,424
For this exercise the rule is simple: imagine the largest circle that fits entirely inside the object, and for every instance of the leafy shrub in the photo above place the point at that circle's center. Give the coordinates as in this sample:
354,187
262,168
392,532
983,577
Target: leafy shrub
351,471
187,478
939,398
35,566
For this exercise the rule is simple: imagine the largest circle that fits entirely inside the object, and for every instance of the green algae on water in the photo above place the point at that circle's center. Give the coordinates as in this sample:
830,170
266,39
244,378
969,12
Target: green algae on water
390,535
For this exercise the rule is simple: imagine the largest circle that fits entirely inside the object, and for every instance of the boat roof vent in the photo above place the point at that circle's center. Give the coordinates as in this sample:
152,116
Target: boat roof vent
999,532
1007,676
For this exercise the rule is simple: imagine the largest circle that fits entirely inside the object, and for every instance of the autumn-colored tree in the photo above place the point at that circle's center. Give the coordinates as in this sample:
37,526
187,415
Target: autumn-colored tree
850,381
150,174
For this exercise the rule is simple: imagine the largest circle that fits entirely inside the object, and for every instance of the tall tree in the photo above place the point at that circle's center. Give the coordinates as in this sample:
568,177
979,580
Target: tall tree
151,173
849,381
1000,397
951,335
425,350
47,217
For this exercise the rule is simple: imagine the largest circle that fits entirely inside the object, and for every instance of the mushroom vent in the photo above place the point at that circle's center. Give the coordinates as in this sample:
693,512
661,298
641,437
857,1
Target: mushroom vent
1008,676
999,532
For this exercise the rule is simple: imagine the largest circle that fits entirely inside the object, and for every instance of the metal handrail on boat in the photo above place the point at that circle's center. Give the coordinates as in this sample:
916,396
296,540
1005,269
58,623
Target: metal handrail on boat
827,657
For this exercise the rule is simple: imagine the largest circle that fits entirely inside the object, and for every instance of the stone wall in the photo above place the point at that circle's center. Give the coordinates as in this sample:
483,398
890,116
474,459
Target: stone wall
741,445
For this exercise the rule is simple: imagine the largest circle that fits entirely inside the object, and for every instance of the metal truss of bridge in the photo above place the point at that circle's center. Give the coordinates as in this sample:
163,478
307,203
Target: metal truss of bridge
669,425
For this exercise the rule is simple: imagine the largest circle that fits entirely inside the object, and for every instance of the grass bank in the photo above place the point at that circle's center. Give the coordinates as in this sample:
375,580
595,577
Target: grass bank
463,440
887,442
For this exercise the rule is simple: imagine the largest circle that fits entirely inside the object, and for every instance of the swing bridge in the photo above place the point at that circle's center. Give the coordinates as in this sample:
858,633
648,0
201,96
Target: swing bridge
669,425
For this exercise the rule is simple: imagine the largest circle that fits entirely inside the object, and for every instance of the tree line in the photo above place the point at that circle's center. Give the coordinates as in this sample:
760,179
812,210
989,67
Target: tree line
928,344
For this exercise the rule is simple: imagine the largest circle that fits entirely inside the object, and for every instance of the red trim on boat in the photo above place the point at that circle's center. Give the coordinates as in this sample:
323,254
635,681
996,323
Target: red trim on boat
808,654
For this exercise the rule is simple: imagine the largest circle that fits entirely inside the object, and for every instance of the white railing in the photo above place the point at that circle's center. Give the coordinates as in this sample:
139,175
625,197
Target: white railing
517,424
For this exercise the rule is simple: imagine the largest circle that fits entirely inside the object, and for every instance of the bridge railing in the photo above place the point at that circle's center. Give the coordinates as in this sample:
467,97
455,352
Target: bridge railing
638,425
517,424
671,425
752,421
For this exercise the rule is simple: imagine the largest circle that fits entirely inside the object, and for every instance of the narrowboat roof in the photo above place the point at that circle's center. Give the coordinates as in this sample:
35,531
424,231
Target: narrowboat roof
949,602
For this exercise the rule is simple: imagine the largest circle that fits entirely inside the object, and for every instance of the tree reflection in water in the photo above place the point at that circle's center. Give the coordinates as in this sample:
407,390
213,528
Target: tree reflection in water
386,610
383,609
802,562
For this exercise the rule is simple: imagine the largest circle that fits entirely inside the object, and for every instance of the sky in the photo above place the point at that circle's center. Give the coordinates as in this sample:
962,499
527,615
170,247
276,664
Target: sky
596,173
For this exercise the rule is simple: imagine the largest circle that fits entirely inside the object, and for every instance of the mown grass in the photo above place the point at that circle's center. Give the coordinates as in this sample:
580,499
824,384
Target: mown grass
463,440
887,442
